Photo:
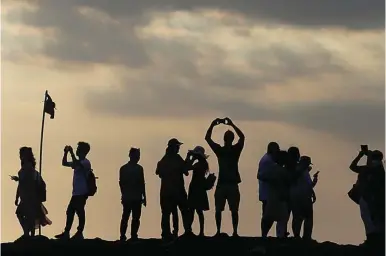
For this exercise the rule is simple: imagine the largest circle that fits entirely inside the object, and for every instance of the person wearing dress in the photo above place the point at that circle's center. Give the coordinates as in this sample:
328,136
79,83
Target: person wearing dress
30,211
197,197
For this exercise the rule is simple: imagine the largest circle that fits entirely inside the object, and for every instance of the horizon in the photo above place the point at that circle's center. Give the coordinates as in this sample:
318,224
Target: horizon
128,75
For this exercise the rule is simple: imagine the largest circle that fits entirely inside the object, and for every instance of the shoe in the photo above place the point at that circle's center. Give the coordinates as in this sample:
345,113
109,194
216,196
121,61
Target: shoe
235,234
64,235
78,236
123,239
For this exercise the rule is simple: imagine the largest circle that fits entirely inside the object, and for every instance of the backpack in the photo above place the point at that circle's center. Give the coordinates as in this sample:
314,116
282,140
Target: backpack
91,183
41,188
210,181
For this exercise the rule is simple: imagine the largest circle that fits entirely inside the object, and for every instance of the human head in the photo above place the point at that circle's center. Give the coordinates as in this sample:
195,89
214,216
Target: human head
26,155
229,137
375,158
273,148
135,155
305,162
281,157
199,152
294,153
83,149
174,146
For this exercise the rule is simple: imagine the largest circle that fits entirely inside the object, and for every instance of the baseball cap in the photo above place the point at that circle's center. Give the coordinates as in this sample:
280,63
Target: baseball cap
173,142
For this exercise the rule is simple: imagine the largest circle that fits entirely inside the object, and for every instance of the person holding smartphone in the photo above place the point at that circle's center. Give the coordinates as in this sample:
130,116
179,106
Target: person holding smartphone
371,193
81,167
228,156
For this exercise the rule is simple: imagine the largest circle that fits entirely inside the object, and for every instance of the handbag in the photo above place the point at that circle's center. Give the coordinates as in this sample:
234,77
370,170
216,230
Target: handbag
354,193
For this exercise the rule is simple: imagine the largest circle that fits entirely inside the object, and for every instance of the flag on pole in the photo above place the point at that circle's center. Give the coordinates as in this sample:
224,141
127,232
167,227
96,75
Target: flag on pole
49,106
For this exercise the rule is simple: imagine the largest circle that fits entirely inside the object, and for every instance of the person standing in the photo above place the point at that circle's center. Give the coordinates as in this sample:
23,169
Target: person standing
371,187
266,163
302,198
132,185
30,211
171,169
228,156
82,168
197,197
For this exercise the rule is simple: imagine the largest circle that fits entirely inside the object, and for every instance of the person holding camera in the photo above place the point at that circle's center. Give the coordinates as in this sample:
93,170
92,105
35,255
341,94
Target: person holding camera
228,156
370,189
197,196
82,168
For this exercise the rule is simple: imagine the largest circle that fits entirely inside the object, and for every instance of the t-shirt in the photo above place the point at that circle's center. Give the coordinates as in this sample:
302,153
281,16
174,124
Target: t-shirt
228,162
79,180
132,182
265,164
170,169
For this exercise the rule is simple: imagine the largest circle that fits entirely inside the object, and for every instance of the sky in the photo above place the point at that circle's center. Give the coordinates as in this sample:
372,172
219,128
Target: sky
129,73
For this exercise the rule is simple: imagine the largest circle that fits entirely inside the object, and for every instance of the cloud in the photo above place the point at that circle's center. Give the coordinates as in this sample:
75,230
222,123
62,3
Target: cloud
354,14
303,64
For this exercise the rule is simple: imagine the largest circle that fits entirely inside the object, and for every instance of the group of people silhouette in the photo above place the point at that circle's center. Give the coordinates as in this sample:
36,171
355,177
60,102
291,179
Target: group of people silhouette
285,188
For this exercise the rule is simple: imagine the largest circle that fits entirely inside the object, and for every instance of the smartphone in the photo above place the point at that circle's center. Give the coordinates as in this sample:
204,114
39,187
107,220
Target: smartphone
364,148
316,174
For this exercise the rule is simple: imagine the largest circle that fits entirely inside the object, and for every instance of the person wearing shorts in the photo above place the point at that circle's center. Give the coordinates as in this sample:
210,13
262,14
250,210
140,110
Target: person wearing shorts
227,189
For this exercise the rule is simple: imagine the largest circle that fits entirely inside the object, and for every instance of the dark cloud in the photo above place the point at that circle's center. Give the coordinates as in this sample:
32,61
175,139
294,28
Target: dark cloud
174,82
354,14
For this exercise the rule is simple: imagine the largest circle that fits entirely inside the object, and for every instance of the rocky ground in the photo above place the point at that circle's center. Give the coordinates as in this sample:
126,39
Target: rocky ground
184,246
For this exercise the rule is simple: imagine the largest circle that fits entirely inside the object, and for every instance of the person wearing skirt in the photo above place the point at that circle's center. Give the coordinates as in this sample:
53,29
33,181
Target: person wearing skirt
197,196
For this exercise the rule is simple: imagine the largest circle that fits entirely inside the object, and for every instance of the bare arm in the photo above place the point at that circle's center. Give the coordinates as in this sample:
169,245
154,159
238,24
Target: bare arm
18,192
354,164
238,132
64,160
143,187
189,160
121,183
208,136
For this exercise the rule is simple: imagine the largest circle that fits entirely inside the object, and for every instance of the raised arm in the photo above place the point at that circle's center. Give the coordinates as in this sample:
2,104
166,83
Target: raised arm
354,164
238,132
189,160
65,162
208,136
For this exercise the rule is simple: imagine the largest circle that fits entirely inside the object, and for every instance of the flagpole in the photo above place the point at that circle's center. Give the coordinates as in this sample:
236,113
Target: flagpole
41,147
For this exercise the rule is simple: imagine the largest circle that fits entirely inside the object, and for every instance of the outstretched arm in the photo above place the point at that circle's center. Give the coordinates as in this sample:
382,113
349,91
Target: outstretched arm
208,136
354,164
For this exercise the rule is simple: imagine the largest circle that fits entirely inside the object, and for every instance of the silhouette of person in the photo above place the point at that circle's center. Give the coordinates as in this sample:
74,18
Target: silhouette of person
276,209
29,210
132,185
197,197
302,197
371,186
171,169
292,163
82,168
265,164
228,156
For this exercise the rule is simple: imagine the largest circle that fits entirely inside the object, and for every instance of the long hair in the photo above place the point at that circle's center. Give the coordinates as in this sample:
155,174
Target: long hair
27,156
205,163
